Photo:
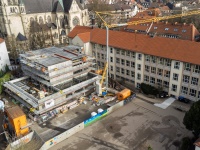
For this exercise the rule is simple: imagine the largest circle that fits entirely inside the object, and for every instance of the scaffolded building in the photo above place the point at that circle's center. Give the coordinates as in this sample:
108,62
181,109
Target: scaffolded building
54,77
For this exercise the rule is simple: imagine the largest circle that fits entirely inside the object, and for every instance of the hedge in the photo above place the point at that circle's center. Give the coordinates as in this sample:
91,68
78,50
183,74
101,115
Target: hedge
148,89
3,79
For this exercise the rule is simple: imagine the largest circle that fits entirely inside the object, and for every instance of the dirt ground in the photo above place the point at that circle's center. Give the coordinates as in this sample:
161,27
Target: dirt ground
135,126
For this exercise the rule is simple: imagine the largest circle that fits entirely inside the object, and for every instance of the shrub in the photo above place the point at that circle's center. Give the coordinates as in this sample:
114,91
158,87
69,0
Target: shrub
148,89
3,79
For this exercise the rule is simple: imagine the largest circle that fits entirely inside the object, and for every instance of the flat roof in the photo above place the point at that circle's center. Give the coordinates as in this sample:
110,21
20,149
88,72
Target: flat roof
52,55
14,112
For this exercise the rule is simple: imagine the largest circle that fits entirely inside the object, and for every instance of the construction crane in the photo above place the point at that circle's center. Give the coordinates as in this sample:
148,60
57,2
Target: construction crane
154,19
104,74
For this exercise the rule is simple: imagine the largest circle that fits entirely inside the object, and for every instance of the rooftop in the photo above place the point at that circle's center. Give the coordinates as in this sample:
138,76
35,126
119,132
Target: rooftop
85,37
15,112
51,56
79,29
1,40
176,49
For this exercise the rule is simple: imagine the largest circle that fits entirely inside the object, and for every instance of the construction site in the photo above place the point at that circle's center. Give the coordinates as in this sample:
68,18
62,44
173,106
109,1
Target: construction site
55,82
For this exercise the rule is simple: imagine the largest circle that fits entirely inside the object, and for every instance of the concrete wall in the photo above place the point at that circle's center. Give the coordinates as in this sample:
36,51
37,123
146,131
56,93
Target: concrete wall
57,139
4,59
115,107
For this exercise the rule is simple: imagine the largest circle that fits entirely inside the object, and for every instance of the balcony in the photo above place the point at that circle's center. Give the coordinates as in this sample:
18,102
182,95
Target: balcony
196,75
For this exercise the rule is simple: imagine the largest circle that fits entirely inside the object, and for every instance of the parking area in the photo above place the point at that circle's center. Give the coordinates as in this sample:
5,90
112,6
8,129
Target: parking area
135,126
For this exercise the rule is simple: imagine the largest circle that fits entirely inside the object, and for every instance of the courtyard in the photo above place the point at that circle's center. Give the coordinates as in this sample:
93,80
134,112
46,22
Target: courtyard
135,126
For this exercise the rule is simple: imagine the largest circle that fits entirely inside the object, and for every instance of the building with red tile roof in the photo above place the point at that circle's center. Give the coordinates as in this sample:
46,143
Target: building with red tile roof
79,29
172,64
85,37
162,47
165,29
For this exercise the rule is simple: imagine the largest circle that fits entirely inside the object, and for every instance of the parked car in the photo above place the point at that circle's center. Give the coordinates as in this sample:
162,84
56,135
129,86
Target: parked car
183,99
163,94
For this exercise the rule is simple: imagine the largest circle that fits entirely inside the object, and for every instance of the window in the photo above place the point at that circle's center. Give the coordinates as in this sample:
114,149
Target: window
122,70
174,87
98,55
122,52
41,20
147,58
187,67
161,61
166,73
127,63
184,90
176,65
160,72
153,59
183,30
117,60
166,84
159,82
196,69
139,56
111,59
111,68
118,51
118,69
133,54
133,74
199,94
111,50
127,72
138,66
166,29
186,79
194,81
102,56
147,68
139,76
155,28
102,64
122,61
175,29
146,78
138,85
175,76
192,92
128,53
153,69
167,62
133,64
152,80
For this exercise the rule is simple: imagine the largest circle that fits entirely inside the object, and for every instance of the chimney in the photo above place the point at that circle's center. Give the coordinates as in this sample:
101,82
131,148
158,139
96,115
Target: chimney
175,23
166,22
184,23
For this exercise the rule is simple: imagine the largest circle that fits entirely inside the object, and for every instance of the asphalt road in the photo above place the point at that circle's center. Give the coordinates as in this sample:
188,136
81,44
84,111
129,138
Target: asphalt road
135,126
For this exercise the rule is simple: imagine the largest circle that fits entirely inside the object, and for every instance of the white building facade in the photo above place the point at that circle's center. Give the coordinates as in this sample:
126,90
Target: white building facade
178,77
4,59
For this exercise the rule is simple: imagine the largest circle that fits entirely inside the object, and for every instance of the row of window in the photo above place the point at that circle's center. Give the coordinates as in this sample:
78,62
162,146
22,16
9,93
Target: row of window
191,92
124,71
194,81
157,71
159,82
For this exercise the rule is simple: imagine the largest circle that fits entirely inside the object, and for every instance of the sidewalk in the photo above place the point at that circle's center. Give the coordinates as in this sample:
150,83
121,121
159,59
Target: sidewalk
160,100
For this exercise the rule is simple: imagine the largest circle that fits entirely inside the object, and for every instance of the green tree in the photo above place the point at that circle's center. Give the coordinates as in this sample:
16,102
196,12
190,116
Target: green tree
191,119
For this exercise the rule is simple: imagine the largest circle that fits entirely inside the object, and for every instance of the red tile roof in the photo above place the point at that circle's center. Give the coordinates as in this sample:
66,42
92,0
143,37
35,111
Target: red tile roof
176,49
79,29
1,40
190,30
85,37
